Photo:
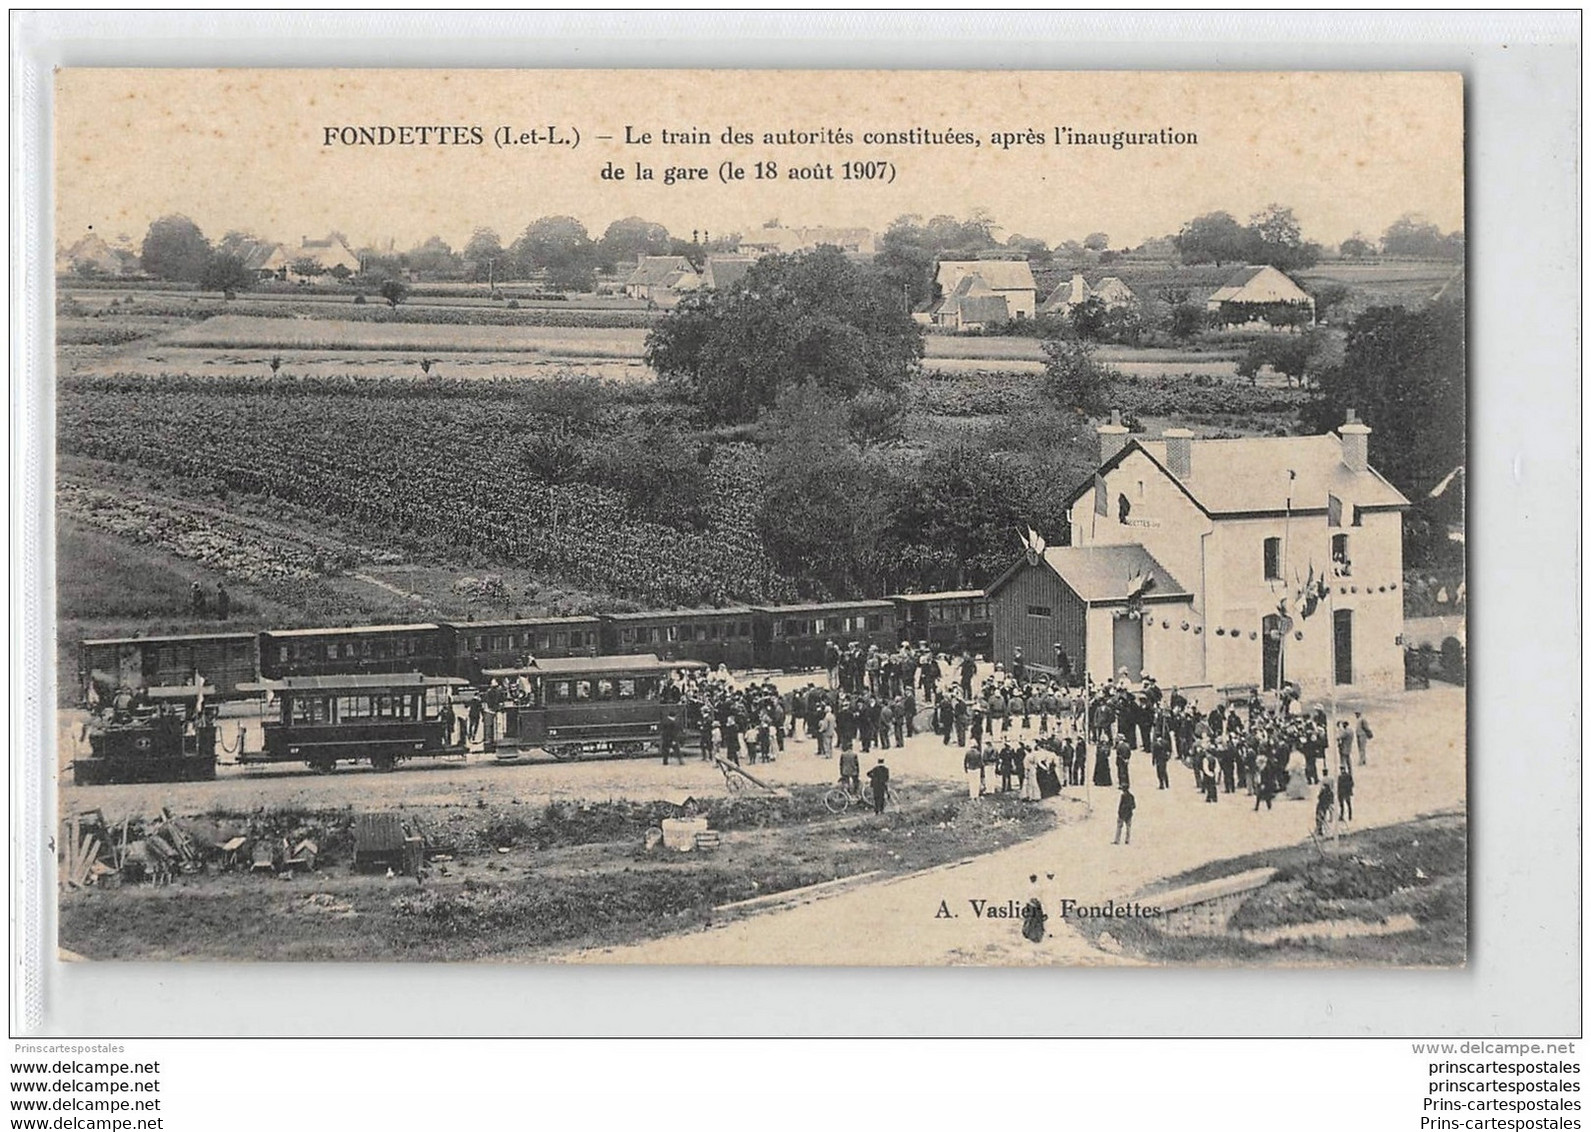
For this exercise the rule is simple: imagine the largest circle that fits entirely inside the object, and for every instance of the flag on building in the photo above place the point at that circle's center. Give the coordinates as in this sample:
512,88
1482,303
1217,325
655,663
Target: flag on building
1101,495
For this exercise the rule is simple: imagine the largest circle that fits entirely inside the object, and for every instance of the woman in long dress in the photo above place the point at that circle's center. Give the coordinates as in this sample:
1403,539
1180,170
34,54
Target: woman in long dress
1101,762
1028,768
1297,784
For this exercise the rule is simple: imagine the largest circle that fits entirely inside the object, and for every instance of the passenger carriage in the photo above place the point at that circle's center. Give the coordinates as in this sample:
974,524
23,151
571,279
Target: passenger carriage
952,621
382,718
793,636
712,636
591,707
224,660
473,646
354,649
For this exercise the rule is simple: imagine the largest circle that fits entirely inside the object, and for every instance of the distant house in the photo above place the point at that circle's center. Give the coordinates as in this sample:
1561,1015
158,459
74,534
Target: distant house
1260,295
973,305
1075,292
94,255
1011,279
327,255
787,241
723,271
661,279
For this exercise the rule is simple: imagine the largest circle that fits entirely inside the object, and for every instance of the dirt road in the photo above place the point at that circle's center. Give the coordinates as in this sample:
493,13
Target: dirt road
1416,766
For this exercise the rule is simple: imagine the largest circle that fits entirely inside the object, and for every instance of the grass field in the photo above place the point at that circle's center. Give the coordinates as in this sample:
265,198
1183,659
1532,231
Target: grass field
1415,871
229,332
524,881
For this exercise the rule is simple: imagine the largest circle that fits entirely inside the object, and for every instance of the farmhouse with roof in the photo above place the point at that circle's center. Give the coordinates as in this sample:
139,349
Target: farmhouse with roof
1219,564
1075,292
1007,279
329,256
93,255
1260,295
661,279
973,305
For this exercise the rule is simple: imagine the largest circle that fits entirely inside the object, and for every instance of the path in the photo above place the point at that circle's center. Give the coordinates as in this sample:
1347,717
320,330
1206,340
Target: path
1417,765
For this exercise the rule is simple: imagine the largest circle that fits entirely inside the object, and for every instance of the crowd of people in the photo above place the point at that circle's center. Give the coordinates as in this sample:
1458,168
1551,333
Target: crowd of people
1030,735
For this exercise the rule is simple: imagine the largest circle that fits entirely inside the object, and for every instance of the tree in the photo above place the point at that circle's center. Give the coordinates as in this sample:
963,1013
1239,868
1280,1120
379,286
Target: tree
1403,371
1356,247
1073,378
810,317
306,267
1411,235
1291,355
560,247
226,272
626,239
436,258
1278,240
824,503
394,291
484,256
1214,238
175,249
1096,241
1187,321
1328,297
239,243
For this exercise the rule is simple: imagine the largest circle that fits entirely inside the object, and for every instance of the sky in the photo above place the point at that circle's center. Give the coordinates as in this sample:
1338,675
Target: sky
246,149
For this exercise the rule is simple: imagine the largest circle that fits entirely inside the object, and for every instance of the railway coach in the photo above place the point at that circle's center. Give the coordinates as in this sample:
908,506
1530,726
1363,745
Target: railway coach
712,636
952,621
225,660
473,646
593,707
354,649
792,637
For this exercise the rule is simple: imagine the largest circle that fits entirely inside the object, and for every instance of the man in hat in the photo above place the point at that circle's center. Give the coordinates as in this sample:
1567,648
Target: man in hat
1124,812
1362,735
1019,668
879,778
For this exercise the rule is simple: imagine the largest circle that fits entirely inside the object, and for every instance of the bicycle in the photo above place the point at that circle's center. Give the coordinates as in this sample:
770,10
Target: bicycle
1326,830
840,798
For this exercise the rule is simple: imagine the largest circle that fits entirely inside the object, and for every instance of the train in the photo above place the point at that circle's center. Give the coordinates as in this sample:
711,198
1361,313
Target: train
781,637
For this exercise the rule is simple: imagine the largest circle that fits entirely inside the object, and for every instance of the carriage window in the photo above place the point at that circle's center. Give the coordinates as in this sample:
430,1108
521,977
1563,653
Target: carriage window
331,652
577,639
582,690
875,622
558,692
560,639
309,710
605,689
281,655
745,628
626,689
982,609
627,636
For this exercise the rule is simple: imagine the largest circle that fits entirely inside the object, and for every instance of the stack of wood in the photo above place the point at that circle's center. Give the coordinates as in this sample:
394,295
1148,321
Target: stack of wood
88,849
93,849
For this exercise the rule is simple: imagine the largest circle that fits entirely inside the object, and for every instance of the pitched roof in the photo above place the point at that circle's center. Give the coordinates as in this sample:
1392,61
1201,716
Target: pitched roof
1249,475
654,270
999,274
1264,284
1100,575
984,308
724,271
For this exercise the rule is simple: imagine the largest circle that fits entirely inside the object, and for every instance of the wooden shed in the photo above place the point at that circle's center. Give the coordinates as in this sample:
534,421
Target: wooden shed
380,842
1080,609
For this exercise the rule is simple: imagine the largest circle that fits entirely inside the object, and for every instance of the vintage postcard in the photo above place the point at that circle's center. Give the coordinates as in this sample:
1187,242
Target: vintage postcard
761,517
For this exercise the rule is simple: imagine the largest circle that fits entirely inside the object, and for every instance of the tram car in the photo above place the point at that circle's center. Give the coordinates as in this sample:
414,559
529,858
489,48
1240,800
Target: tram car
792,637
375,649
712,636
952,622
225,660
381,718
587,707
473,646
159,734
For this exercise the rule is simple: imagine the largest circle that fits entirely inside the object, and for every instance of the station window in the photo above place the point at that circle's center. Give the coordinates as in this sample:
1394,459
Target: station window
1341,564
1273,559
1040,611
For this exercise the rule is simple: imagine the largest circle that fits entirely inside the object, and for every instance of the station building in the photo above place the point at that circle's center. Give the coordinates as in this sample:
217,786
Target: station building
1219,564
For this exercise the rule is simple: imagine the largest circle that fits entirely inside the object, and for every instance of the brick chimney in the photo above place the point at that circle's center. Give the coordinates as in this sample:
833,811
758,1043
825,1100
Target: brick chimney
1179,452
1112,436
1355,444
